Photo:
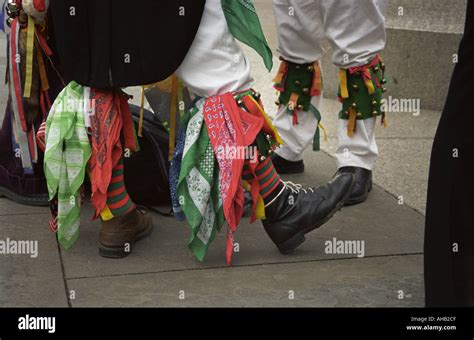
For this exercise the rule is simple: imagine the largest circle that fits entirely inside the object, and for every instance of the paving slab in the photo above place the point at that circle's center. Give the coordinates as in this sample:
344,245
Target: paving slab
8,208
402,168
394,281
27,281
386,227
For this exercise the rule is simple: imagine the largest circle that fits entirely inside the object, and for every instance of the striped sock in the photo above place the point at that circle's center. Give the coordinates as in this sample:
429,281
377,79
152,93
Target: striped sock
118,200
268,179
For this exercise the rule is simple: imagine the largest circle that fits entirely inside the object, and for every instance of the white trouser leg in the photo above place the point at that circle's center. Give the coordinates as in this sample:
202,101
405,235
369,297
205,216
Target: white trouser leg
355,29
296,138
359,150
215,63
300,30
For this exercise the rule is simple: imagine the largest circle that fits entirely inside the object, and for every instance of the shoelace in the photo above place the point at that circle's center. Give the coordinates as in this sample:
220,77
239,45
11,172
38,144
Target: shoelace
295,189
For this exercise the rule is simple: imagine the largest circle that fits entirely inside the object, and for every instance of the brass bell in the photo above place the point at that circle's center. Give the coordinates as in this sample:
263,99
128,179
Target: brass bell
269,137
375,113
12,8
374,103
376,68
305,90
298,83
310,68
384,89
10,22
300,107
257,95
359,115
354,105
262,158
382,102
382,65
270,152
384,81
346,113
355,87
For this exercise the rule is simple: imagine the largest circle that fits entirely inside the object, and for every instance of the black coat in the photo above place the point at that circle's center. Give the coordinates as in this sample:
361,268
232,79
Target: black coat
449,235
119,43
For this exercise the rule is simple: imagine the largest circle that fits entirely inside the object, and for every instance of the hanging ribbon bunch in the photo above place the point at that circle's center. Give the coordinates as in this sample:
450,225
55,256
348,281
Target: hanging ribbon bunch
361,90
26,65
297,84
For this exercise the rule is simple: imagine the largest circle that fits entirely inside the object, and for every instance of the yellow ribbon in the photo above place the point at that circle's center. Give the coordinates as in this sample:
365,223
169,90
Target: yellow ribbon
325,132
30,44
351,127
269,122
343,82
260,208
106,214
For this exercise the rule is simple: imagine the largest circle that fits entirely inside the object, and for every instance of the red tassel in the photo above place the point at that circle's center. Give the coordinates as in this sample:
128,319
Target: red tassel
40,5
295,118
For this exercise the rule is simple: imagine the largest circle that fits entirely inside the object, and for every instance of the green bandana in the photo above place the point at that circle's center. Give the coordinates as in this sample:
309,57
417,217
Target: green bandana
245,26
198,185
66,156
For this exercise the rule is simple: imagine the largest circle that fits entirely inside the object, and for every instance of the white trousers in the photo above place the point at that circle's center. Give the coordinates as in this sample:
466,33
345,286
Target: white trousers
215,63
356,31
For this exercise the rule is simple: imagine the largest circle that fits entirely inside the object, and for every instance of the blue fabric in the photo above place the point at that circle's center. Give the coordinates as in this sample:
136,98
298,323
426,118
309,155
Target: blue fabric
175,169
2,16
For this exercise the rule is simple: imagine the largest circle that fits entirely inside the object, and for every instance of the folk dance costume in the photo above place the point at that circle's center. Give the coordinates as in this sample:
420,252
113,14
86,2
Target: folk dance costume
32,84
356,31
206,179
89,127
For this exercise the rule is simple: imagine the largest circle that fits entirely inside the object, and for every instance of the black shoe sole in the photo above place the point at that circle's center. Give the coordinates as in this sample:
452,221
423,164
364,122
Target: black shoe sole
120,253
294,242
360,199
38,201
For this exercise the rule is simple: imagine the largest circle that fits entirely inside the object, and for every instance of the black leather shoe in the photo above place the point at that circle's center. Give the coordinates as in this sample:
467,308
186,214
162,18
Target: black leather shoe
282,166
363,185
296,211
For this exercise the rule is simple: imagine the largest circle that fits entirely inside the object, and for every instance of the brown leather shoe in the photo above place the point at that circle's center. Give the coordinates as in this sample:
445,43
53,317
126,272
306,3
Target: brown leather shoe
118,235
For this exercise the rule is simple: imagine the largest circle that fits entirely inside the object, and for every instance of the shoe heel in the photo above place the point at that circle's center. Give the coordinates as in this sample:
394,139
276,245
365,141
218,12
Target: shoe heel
113,253
290,245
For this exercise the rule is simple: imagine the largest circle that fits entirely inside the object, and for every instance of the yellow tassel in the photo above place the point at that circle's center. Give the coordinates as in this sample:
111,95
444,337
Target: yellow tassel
351,126
317,79
325,132
142,109
173,111
260,209
343,82
370,86
269,122
106,214
293,104
281,72
30,43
